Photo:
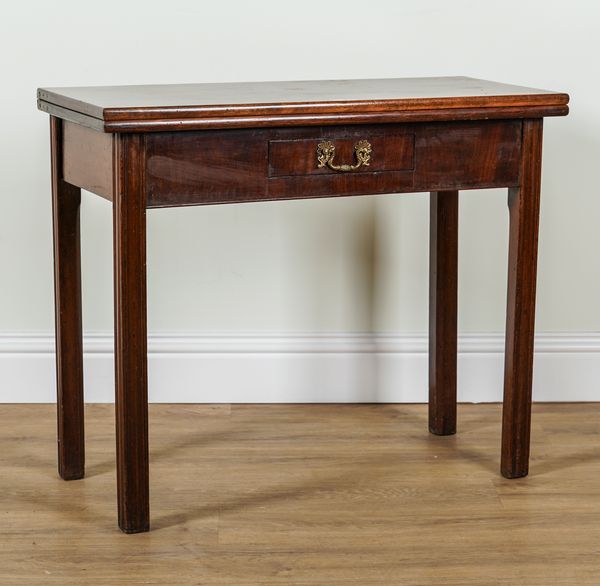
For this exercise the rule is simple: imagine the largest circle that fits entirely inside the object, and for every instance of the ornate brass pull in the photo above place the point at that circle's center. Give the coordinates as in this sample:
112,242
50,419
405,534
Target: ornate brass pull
326,152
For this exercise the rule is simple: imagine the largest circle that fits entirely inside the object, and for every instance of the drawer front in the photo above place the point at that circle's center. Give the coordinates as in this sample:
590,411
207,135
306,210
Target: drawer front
227,166
296,169
384,152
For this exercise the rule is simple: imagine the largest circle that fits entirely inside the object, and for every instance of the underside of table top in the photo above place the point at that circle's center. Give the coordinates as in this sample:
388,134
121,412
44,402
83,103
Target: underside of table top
296,103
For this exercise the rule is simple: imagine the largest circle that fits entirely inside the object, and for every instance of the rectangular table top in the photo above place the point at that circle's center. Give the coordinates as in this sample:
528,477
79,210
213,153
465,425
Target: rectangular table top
216,105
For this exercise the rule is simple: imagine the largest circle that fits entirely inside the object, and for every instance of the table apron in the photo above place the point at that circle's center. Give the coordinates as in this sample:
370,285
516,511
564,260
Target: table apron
232,166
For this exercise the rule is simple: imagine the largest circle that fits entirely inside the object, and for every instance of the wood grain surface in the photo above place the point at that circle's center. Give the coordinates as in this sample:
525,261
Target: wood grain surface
139,108
87,159
131,337
443,308
524,212
66,204
213,167
307,495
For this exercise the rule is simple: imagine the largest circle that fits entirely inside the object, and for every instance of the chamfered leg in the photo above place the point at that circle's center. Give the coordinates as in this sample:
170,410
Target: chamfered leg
66,200
443,267
524,205
129,225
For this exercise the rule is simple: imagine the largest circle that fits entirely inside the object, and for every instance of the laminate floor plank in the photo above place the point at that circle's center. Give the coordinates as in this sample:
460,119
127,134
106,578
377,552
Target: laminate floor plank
267,495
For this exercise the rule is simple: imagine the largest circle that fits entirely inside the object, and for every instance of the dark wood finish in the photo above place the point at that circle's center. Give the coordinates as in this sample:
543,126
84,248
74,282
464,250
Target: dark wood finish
197,168
443,300
186,124
298,103
88,159
229,143
389,171
391,152
467,155
129,224
66,199
524,208
205,167
330,185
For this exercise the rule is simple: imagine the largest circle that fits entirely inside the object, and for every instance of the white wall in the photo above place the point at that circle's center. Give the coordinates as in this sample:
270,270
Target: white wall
335,266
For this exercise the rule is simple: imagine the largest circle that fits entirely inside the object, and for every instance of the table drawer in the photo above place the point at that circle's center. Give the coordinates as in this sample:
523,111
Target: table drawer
328,155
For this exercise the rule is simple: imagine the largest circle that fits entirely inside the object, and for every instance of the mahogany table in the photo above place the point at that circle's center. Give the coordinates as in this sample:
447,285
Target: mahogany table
176,145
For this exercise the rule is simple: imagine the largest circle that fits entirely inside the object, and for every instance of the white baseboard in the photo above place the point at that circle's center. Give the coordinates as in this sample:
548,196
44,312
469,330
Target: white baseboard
309,368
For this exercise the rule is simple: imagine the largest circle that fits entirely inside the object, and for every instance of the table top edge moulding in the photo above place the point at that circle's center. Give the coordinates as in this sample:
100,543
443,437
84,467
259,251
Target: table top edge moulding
149,108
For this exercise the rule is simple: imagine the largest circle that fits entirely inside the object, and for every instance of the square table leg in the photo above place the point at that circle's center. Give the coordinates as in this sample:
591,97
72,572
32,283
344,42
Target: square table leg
443,268
524,206
66,199
131,389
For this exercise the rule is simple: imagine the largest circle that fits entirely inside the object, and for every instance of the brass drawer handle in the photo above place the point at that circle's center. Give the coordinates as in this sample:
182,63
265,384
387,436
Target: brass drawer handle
326,152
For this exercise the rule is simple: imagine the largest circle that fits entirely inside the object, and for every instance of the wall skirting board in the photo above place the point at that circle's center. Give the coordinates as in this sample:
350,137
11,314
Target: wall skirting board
302,368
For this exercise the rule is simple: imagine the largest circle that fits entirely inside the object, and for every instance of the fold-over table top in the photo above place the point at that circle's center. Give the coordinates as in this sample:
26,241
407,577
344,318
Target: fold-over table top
138,108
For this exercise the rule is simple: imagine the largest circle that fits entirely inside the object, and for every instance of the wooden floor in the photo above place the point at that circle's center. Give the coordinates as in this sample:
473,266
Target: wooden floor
307,494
